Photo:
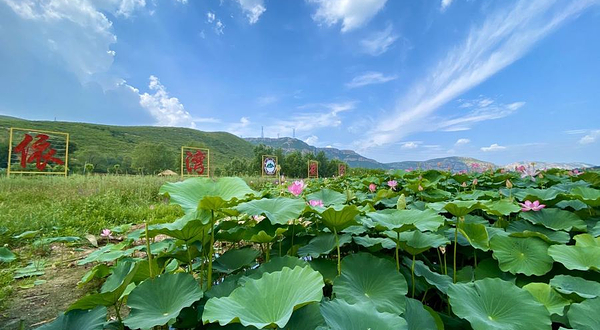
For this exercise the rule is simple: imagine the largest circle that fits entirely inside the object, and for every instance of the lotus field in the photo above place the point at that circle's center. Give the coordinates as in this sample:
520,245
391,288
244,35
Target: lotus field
405,250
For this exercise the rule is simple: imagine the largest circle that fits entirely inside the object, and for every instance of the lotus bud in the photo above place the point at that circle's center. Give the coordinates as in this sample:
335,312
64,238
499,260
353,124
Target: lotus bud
420,188
443,249
509,184
541,176
401,204
475,181
464,184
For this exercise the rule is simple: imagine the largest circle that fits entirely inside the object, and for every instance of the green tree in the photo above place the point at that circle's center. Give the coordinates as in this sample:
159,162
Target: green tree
153,158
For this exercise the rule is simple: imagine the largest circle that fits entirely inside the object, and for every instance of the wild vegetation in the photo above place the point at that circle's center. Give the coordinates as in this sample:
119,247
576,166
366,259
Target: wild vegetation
402,250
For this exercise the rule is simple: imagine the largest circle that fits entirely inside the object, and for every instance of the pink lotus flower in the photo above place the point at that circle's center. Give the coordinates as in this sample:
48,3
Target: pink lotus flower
106,233
297,187
529,206
392,184
520,168
316,202
372,187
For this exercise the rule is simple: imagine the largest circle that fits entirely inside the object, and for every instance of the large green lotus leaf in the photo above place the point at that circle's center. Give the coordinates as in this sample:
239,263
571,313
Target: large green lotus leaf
501,207
366,278
489,268
306,318
575,204
441,282
156,301
536,194
476,234
555,219
119,274
527,256
340,315
107,298
546,295
494,304
401,220
523,228
585,316
587,240
185,228
339,217
415,242
235,259
418,318
79,319
576,257
6,255
323,244
328,196
278,210
267,301
588,195
377,243
274,265
462,208
568,284
191,192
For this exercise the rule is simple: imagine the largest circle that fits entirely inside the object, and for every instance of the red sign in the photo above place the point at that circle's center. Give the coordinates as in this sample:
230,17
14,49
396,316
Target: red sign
194,162
40,151
313,169
341,169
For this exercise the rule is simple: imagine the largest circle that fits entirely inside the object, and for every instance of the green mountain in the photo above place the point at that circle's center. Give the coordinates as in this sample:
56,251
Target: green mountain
353,159
105,145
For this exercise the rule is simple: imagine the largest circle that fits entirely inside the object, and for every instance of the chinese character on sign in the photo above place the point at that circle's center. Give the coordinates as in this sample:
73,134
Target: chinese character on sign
342,170
194,162
39,151
313,169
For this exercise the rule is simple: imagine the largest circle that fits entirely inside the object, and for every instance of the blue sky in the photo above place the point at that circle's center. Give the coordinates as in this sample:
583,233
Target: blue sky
501,81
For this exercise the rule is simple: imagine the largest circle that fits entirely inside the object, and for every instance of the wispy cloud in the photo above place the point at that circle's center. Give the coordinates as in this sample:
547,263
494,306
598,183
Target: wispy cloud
369,78
446,4
253,9
476,114
266,100
592,137
461,142
352,14
493,147
409,145
379,42
504,37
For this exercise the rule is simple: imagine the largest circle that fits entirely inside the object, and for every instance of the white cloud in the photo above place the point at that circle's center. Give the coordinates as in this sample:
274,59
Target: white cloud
409,145
592,137
210,17
253,9
351,13
166,110
240,128
476,114
460,142
312,140
493,147
266,100
379,42
446,4
504,37
369,78
127,7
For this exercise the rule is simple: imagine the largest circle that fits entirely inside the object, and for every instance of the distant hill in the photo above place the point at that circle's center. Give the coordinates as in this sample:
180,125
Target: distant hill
543,165
355,160
116,143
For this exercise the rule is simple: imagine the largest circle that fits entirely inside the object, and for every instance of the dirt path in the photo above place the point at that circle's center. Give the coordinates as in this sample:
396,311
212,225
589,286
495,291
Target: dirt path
43,302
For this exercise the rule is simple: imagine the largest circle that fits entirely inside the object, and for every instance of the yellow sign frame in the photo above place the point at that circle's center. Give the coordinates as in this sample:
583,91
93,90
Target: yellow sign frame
262,166
207,170
308,169
29,130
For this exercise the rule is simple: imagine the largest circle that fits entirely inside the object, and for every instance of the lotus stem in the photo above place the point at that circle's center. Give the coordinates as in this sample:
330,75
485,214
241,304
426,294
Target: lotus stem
455,246
397,252
211,249
190,266
148,251
339,258
445,265
412,274
440,258
293,234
